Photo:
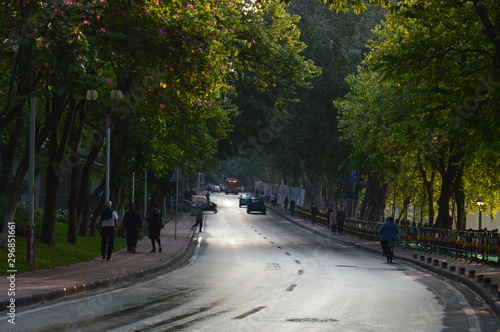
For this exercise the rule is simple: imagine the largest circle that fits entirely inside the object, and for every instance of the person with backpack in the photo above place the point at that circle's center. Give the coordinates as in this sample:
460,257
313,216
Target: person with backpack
133,225
108,227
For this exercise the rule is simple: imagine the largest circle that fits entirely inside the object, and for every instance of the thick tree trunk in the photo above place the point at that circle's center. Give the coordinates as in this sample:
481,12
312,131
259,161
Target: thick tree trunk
50,208
57,147
373,204
450,174
84,191
8,154
459,194
429,187
14,193
76,174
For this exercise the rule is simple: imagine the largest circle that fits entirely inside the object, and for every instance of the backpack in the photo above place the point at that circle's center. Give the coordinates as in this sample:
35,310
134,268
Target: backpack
106,214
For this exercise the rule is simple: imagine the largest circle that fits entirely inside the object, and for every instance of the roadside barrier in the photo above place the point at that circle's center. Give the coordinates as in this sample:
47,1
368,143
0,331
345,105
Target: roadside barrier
482,246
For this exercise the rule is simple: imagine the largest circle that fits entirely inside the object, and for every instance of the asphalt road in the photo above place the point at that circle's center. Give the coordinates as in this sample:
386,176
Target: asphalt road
254,272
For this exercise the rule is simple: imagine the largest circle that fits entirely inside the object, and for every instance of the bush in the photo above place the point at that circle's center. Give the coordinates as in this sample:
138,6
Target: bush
22,217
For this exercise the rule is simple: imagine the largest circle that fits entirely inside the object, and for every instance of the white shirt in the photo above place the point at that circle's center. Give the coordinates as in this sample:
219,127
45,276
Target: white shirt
110,222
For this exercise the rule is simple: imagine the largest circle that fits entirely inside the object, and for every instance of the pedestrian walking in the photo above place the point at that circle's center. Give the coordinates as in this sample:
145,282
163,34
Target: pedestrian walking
108,227
340,220
292,207
314,213
133,225
285,202
388,232
155,225
199,217
333,222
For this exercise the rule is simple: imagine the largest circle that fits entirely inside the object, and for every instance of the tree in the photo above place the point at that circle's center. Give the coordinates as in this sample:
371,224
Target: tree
432,54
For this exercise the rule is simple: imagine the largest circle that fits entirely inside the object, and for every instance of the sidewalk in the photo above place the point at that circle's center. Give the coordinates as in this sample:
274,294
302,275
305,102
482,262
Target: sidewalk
482,279
50,284
46,285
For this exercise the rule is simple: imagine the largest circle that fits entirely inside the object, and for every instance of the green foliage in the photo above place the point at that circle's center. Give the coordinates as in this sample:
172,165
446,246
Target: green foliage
423,95
49,256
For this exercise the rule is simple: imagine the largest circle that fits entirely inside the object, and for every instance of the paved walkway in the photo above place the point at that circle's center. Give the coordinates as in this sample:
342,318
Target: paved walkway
177,238
49,284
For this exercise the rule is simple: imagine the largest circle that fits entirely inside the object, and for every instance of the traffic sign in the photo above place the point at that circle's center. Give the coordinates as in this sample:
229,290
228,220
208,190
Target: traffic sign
354,176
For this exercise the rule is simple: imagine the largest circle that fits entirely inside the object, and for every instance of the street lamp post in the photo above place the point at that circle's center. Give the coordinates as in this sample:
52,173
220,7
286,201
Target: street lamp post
115,95
480,204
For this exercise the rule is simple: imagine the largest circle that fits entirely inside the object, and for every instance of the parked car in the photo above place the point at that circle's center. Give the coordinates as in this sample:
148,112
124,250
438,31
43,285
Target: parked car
256,204
245,198
183,205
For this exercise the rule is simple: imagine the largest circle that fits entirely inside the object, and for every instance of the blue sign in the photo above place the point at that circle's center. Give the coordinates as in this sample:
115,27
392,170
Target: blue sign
354,176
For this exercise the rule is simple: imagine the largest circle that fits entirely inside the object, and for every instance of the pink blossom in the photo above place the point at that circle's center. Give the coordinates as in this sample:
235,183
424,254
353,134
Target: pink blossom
197,102
86,22
162,105
109,81
190,6
102,30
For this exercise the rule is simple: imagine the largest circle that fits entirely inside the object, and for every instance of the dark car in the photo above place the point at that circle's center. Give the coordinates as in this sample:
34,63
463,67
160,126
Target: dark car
256,204
183,205
245,198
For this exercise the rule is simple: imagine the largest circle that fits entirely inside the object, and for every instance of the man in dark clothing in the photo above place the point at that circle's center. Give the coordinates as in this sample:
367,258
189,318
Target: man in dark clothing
133,225
292,206
340,220
285,202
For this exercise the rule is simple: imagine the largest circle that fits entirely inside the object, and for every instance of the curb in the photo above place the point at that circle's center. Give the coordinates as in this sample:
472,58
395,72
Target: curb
112,281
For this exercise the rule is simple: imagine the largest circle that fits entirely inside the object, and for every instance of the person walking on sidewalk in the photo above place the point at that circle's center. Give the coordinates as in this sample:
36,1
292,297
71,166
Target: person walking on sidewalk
340,220
292,207
333,222
285,202
388,232
108,227
133,225
199,218
155,226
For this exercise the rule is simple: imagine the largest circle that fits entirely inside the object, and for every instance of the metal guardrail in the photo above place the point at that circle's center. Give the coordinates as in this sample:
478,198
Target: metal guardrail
471,245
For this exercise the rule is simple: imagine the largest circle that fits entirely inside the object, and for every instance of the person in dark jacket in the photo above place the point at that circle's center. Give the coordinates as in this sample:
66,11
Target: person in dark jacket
155,226
133,225
340,220
292,207
285,202
388,232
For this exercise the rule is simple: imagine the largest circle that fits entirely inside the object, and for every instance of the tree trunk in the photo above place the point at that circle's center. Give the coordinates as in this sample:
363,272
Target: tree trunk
449,175
14,193
373,204
85,201
8,154
57,147
429,187
459,194
76,174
